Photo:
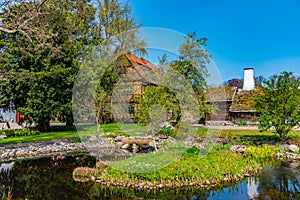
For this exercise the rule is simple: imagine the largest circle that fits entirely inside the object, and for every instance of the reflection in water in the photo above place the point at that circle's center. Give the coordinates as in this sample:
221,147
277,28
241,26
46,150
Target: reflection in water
51,178
6,166
45,178
280,182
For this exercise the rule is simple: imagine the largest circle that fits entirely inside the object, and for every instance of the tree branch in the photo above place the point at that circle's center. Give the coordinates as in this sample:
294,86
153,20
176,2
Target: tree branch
8,30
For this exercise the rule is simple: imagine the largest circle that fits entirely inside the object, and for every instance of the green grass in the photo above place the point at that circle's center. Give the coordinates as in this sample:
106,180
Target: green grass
190,167
149,162
130,129
42,137
115,129
61,132
254,134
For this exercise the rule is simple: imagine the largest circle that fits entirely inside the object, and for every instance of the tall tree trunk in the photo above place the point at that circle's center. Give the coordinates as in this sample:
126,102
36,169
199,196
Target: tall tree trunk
44,126
69,120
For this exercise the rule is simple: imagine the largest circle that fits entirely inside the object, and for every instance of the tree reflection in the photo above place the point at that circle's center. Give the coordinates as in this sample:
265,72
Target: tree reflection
5,182
279,183
46,178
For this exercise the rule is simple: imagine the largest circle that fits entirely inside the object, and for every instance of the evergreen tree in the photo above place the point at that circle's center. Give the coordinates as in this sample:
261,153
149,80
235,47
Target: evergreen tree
39,73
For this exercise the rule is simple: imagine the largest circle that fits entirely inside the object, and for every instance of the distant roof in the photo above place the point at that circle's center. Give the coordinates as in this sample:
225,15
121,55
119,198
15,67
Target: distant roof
222,93
140,72
244,101
142,69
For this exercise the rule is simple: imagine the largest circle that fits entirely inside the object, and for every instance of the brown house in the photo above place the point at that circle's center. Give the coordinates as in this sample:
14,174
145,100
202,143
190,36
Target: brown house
140,74
243,105
221,99
233,104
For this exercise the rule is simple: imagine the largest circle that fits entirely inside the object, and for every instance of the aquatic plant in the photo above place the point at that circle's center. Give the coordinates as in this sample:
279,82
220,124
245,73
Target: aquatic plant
262,153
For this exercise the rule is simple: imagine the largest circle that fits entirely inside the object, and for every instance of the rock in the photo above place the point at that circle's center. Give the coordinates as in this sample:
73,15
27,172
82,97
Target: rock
125,151
125,146
238,148
119,138
151,144
93,139
19,154
145,146
141,185
2,137
293,148
119,144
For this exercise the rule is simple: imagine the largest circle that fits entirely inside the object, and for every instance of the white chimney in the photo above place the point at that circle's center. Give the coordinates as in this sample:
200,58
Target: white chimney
249,79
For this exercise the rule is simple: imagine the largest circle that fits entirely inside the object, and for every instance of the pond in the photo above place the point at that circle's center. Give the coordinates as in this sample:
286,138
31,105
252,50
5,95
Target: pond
51,178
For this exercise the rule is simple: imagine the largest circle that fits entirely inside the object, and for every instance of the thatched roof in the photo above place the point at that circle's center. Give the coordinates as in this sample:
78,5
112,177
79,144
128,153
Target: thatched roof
222,93
244,101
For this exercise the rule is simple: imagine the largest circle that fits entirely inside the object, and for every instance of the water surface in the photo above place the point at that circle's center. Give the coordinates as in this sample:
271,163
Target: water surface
51,178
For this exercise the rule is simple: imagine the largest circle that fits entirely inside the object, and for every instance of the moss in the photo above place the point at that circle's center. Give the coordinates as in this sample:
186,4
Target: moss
245,100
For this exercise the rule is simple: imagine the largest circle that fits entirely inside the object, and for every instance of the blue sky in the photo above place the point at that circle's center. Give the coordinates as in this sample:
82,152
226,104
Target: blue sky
263,34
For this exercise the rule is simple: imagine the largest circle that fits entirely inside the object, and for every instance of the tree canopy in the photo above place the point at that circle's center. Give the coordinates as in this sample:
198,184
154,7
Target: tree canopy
38,71
173,94
279,103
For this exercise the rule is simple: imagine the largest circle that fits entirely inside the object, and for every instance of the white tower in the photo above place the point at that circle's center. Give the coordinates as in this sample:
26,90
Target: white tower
249,79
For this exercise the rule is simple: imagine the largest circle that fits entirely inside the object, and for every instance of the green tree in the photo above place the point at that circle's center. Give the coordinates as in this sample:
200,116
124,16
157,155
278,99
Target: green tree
259,80
38,73
279,103
120,33
171,91
156,95
192,63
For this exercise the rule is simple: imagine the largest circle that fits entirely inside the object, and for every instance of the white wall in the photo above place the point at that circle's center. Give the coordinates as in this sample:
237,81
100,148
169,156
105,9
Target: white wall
249,79
7,115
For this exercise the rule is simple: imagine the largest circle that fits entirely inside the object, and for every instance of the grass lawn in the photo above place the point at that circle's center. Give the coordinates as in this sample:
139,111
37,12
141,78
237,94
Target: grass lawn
250,134
241,133
61,132
42,137
190,167
115,129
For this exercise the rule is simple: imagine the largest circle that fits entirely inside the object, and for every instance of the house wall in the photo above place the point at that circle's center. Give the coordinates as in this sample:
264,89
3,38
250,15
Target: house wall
7,115
222,114
238,116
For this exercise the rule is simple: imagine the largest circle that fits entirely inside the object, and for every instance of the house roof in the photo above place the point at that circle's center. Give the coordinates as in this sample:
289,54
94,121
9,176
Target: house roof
244,101
222,93
141,70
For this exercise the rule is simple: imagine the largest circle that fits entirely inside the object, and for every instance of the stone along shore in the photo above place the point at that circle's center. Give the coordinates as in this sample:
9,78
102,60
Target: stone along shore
38,149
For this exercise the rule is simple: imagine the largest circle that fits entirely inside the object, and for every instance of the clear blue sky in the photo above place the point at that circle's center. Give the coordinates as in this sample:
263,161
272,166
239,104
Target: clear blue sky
263,34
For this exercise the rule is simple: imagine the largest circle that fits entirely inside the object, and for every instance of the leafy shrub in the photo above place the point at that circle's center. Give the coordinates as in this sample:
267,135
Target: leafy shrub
242,123
182,129
21,132
63,128
192,151
261,153
168,131
221,134
115,134
220,147
202,132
